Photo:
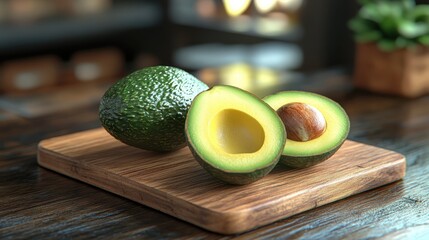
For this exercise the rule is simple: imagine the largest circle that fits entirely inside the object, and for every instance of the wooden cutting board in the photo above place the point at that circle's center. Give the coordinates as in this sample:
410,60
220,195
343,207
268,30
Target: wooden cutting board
175,183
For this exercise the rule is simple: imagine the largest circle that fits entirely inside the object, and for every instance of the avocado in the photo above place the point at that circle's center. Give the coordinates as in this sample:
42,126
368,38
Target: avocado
234,135
147,109
316,126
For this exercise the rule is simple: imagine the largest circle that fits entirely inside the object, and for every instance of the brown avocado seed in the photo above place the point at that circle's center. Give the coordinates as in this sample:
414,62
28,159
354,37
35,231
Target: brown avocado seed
303,122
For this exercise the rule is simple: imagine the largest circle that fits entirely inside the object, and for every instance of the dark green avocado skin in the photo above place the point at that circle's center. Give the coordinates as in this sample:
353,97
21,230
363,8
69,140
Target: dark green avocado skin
308,161
233,178
147,109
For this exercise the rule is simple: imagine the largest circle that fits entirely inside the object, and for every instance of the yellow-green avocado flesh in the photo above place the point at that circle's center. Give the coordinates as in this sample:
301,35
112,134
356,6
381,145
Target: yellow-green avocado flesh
234,135
305,154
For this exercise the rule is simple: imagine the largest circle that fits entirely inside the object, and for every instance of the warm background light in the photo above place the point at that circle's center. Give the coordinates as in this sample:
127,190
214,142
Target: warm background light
291,5
236,7
264,6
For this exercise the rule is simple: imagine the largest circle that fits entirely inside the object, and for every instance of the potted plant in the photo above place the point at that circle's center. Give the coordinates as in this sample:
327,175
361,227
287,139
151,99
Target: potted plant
392,54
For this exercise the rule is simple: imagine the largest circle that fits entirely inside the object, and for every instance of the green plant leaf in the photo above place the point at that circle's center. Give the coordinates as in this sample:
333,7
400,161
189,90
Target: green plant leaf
389,25
392,24
410,29
424,40
401,42
386,45
420,13
391,9
369,12
408,5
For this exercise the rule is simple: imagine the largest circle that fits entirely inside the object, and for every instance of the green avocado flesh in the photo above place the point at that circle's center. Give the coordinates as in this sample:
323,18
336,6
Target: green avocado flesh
304,154
234,135
147,109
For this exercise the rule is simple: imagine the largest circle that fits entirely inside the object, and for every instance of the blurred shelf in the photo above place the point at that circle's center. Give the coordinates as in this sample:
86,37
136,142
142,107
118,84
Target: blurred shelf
51,101
6,116
269,54
232,27
120,17
182,15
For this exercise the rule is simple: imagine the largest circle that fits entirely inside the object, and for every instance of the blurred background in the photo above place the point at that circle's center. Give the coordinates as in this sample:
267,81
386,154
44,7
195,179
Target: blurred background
52,50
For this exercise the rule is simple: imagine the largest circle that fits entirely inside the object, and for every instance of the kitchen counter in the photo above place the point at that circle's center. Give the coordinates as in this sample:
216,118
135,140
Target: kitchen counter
37,203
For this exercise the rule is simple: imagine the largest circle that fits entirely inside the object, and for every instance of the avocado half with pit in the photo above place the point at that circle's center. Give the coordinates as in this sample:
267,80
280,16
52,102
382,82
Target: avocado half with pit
316,126
234,135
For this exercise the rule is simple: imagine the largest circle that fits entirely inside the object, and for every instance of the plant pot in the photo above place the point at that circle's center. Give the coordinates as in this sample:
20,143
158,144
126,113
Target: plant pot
402,72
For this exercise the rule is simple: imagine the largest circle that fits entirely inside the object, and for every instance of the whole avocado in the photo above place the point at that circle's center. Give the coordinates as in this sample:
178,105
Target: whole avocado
147,109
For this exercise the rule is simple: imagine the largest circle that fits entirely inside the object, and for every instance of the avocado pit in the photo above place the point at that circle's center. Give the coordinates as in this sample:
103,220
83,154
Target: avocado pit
331,126
302,121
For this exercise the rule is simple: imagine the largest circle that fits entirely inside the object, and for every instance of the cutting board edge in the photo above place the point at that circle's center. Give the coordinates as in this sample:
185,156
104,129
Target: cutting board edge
367,181
221,222
228,219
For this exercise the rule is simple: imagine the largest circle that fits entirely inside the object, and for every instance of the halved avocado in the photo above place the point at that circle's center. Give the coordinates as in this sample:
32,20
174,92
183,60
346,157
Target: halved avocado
298,153
234,135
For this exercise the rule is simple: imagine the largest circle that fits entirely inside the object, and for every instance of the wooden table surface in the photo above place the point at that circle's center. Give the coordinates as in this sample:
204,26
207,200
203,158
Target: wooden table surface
36,203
